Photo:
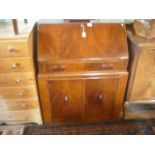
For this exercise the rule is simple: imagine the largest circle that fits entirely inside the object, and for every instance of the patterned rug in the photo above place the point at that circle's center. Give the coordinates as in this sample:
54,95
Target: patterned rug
133,127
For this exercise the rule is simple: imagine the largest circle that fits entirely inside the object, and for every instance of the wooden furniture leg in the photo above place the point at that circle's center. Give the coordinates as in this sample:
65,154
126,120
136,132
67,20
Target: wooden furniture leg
15,26
25,21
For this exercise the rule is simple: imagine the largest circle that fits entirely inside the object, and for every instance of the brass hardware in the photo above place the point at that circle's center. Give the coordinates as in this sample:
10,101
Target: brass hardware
21,93
18,80
24,105
10,49
14,66
100,97
66,98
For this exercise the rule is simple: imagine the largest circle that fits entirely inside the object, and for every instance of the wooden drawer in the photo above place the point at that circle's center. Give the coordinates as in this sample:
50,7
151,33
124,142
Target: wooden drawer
16,79
45,67
14,117
17,93
13,48
10,65
25,104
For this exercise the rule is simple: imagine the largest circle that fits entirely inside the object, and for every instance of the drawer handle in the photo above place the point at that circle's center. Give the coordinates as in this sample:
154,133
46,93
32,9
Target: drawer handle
14,66
18,80
107,66
21,94
10,49
24,105
59,68
66,98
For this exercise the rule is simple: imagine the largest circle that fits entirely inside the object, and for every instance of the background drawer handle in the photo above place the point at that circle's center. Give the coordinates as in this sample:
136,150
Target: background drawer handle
15,65
21,94
10,49
24,105
18,80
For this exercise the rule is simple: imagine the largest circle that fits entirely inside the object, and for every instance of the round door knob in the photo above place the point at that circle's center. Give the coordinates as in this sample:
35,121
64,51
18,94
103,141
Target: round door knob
14,65
23,105
10,49
100,97
66,98
21,93
18,80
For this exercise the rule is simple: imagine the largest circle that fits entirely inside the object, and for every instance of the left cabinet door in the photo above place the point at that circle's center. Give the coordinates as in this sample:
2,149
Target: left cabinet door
62,101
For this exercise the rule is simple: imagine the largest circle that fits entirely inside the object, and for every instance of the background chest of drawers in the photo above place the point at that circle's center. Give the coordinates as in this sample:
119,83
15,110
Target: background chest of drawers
82,71
18,92
140,100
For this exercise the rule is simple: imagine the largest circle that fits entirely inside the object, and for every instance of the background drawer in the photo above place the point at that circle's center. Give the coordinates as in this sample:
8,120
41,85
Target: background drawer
27,104
16,79
17,93
9,65
45,67
13,48
13,117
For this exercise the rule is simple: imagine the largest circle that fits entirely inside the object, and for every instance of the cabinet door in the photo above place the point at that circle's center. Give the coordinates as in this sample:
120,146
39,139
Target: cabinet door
100,96
66,99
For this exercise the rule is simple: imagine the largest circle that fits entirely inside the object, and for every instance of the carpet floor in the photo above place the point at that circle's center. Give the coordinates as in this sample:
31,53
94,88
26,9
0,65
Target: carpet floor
132,127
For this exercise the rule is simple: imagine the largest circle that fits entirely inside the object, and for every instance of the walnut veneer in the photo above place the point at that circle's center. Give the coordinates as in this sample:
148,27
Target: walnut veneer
82,71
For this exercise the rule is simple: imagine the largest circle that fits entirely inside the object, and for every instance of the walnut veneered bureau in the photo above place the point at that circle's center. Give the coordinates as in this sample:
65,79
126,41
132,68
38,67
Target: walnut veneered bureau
140,99
82,71
19,101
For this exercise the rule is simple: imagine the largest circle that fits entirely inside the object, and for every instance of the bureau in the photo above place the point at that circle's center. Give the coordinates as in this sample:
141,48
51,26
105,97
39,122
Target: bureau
140,99
82,71
19,101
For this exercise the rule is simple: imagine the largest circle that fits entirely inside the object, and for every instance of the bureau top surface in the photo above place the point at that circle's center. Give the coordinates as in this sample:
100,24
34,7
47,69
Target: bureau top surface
81,40
7,31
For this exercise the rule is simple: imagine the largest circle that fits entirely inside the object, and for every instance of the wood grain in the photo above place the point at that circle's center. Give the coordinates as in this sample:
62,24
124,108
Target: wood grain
82,79
67,42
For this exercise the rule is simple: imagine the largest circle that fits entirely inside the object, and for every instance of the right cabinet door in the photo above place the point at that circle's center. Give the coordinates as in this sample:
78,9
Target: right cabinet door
100,96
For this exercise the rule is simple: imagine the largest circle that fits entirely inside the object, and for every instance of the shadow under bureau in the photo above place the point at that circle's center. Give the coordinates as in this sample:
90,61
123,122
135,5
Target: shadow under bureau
82,71
18,91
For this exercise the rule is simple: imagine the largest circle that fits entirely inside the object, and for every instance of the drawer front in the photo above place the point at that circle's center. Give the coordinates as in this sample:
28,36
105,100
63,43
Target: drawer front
16,79
14,117
82,66
17,93
13,48
16,65
25,104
